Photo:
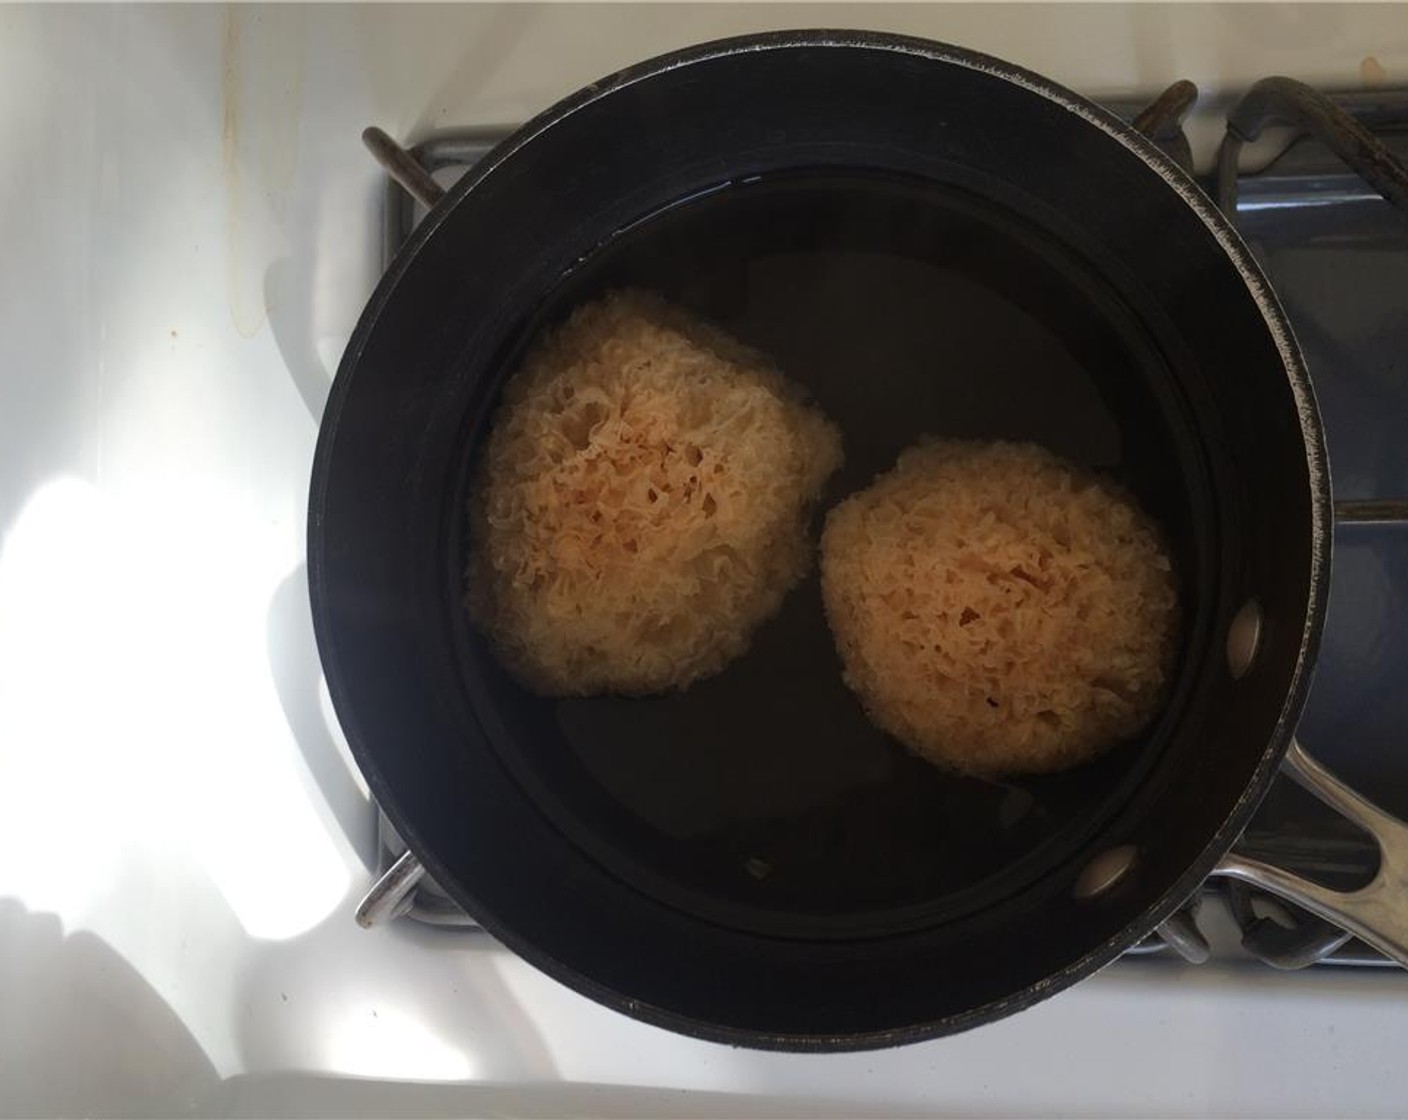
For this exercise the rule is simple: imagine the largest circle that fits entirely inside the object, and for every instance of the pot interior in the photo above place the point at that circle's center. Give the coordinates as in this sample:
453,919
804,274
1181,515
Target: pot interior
763,798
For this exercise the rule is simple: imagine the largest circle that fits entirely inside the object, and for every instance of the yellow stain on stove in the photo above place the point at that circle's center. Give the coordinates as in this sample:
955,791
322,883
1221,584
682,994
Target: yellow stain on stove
263,68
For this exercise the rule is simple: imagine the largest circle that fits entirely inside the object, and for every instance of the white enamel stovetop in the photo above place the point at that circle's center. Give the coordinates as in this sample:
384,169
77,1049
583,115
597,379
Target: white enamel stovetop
187,234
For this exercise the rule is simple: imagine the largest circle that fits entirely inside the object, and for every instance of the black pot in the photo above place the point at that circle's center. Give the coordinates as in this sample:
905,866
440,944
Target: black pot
1066,283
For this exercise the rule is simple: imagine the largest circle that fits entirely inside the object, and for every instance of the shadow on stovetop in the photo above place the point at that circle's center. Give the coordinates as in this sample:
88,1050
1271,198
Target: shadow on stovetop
297,674
293,1094
288,296
86,1032
83,1034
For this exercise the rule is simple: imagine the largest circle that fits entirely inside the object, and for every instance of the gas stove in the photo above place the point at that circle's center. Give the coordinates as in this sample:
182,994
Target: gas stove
1336,250
185,832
